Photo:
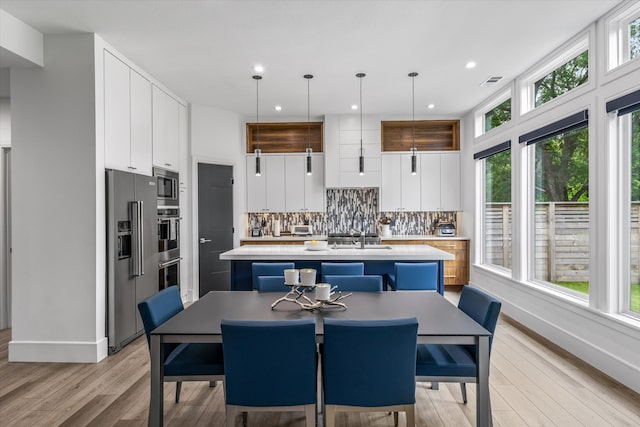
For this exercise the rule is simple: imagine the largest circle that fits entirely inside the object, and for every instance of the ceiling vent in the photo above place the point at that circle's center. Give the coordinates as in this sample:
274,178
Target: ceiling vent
491,81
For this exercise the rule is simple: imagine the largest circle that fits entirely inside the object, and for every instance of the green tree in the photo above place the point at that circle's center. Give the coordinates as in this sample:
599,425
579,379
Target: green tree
562,162
635,156
498,178
634,39
498,115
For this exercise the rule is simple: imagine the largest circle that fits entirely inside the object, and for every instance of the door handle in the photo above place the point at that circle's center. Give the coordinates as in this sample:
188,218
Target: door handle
203,240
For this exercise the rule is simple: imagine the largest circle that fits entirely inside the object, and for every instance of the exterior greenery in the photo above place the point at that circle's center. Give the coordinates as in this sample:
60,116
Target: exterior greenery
634,39
498,115
583,287
564,78
498,178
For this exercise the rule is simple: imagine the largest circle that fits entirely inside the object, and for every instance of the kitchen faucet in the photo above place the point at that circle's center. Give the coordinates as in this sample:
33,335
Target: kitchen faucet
361,231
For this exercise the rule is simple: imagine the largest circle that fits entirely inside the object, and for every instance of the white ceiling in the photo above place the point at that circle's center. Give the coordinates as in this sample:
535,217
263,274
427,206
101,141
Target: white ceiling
205,50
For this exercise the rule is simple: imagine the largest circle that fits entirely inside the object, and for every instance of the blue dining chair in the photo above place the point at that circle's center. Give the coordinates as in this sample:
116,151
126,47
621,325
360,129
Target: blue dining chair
270,366
182,362
411,276
341,268
271,284
457,363
268,269
369,283
369,365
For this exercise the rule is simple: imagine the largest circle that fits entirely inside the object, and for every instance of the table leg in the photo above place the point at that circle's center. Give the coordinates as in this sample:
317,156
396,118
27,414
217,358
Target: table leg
483,410
156,409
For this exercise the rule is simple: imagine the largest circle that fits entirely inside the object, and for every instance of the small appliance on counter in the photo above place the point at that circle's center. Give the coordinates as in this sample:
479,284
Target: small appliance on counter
256,232
446,229
302,230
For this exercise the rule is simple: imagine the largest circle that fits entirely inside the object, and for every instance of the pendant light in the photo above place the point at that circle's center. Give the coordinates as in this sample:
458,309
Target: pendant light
257,151
309,149
361,158
414,159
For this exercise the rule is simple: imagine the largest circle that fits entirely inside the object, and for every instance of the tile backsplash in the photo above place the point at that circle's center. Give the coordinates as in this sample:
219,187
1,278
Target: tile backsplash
356,208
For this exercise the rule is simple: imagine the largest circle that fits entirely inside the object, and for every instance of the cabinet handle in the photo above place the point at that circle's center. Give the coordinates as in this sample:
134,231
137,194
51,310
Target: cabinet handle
131,168
167,164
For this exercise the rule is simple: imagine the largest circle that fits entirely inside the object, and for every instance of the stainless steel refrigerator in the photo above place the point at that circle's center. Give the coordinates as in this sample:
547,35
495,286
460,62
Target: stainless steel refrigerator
132,252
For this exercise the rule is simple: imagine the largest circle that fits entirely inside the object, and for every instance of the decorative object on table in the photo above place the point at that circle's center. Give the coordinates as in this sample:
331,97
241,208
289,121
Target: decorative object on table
315,245
323,292
291,276
307,277
297,295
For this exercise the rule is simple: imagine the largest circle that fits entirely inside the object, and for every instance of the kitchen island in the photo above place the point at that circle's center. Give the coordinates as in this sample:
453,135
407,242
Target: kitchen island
378,259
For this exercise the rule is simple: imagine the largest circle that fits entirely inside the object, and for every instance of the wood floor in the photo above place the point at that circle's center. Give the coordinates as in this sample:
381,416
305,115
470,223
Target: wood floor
533,383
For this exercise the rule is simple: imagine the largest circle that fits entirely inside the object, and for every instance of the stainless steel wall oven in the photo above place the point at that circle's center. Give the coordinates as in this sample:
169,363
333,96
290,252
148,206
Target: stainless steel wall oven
168,246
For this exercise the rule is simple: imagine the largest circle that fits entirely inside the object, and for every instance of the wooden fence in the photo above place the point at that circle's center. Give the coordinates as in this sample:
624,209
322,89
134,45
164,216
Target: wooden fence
561,240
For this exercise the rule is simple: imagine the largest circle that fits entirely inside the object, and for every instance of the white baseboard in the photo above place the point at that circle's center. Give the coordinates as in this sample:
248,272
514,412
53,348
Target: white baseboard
58,351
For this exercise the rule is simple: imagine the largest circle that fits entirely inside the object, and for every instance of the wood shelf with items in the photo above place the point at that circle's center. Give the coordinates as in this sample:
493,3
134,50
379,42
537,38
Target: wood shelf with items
456,272
285,137
430,135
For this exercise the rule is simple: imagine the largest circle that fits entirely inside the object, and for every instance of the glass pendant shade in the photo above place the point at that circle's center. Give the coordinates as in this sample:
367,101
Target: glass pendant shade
257,152
414,161
309,170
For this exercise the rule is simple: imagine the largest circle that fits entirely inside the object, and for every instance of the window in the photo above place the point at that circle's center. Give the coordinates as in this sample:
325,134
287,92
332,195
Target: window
623,31
634,39
568,76
561,225
633,137
497,209
498,115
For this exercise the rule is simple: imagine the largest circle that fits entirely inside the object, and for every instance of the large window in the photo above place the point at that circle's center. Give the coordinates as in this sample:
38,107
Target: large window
568,76
634,253
497,209
634,39
561,224
498,115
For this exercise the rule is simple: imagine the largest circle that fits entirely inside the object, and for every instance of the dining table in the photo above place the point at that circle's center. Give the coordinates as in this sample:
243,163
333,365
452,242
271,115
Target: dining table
439,321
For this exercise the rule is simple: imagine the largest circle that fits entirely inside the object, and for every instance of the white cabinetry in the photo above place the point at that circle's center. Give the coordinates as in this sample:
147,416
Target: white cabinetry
440,181
304,192
399,190
127,117
265,193
342,150
185,152
166,130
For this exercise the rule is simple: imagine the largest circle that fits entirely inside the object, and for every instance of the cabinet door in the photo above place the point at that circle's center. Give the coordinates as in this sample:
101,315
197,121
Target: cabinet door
450,199
390,188
141,128
172,149
275,184
159,118
256,194
314,191
294,183
117,114
430,181
410,190
185,157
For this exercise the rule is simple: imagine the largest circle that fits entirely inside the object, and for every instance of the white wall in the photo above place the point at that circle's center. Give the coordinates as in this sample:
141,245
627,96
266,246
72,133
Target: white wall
55,288
217,137
608,341
20,44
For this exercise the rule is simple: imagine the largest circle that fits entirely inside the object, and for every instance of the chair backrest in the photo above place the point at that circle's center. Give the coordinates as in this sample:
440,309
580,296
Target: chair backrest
416,276
268,269
271,284
370,283
481,307
269,363
341,269
369,362
159,308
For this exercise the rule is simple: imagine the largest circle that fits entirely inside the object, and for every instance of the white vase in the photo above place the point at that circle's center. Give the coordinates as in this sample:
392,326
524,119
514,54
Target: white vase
386,230
276,227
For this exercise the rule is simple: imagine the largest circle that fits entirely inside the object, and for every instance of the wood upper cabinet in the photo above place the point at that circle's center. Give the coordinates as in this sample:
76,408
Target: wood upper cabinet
429,135
399,190
285,137
456,271
266,193
127,117
166,130
440,181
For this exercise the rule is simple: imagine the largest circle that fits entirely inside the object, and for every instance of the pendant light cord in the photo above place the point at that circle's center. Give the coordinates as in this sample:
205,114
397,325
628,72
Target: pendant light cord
257,79
361,114
413,110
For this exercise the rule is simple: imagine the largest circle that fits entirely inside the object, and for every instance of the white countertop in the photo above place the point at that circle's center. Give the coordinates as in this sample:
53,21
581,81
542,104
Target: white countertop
296,252
274,239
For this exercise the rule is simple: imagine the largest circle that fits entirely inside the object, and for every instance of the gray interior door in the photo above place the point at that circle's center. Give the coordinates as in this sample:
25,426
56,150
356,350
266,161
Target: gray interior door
215,225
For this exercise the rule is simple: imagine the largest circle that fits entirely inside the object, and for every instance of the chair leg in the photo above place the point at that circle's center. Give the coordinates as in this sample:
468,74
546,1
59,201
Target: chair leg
310,415
435,385
231,412
395,418
244,419
178,388
329,415
463,389
411,415
212,383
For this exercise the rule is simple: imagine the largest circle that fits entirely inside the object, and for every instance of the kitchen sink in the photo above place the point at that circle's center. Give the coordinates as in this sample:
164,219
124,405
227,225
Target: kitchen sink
358,247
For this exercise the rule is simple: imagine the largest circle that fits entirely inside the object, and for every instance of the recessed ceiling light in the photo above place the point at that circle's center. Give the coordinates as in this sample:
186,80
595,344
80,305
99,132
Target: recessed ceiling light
278,108
258,68
354,107
431,106
470,64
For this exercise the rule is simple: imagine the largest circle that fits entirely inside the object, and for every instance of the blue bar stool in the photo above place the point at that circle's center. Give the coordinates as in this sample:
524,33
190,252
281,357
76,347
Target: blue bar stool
414,276
341,269
268,269
369,283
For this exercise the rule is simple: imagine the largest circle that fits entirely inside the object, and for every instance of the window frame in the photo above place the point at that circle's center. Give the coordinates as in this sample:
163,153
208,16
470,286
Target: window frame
577,46
617,37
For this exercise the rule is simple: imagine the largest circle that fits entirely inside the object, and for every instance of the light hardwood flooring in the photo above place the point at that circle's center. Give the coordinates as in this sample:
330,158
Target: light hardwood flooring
533,383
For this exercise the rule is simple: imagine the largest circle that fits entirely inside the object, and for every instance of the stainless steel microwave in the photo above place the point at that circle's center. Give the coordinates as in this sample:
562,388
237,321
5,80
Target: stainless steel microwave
167,187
